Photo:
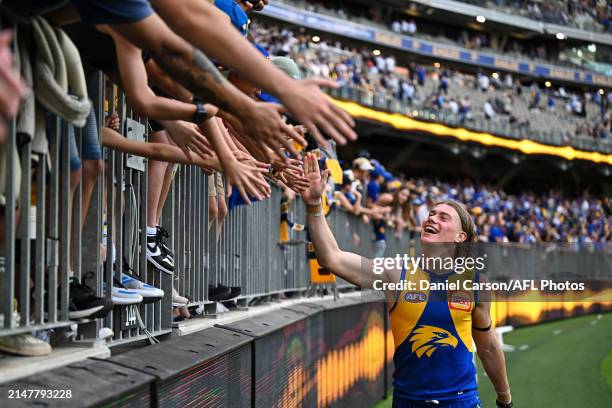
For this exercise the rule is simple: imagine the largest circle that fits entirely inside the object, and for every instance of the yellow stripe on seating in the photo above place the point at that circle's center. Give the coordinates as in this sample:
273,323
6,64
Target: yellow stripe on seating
403,122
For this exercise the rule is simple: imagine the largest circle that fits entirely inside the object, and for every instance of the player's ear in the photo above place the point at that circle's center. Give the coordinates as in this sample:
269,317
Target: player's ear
461,237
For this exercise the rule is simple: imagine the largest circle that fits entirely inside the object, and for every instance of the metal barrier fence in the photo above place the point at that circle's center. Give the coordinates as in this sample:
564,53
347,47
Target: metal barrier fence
45,245
42,234
384,100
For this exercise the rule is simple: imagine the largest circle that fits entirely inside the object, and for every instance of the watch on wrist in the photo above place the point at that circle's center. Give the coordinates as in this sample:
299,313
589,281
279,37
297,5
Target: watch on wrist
200,114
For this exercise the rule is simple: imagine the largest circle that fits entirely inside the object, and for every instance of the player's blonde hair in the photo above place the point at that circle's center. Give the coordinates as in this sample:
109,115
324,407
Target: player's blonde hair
466,248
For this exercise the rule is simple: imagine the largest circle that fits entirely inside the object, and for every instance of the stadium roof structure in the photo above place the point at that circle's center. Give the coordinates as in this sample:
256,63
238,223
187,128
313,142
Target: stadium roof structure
430,49
524,146
468,12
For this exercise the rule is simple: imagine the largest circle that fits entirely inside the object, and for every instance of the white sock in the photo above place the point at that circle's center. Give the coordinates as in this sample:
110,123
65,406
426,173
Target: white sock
151,231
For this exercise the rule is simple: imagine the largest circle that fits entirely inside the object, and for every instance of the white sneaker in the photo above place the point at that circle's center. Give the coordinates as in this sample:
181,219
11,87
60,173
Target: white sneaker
143,289
24,344
122,296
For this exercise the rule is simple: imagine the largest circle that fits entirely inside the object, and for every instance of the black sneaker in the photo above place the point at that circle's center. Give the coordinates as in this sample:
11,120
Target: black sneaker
234,291
157,255
218,293
84,302
161,234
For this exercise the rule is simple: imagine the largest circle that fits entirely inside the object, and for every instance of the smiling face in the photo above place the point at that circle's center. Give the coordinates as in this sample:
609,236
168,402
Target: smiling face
442,225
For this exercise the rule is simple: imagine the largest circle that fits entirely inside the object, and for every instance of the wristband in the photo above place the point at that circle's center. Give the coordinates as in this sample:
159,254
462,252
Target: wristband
503,404
314,210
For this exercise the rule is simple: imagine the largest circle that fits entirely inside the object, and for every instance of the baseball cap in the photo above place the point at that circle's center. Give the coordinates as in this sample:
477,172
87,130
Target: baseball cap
378,171
388,176
236,14
288,66
363,164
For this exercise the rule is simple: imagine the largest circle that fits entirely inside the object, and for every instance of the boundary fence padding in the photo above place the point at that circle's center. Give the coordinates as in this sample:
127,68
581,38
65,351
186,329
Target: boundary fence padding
314,354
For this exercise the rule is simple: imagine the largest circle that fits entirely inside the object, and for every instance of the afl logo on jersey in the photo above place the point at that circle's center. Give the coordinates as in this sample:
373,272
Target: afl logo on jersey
415,297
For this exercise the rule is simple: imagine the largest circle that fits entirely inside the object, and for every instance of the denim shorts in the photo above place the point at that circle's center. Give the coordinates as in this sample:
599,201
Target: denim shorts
90,145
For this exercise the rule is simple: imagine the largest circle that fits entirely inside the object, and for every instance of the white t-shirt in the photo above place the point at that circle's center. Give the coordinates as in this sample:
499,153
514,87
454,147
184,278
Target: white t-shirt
484,82
390,61
488,109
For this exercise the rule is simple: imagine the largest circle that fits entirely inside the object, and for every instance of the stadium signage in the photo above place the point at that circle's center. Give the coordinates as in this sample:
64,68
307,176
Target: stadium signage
374,35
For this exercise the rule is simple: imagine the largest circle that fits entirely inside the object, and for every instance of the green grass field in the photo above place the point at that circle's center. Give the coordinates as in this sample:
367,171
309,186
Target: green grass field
566,364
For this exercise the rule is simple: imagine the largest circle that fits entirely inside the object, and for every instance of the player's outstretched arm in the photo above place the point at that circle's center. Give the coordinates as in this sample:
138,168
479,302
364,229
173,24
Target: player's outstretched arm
347,265
490,351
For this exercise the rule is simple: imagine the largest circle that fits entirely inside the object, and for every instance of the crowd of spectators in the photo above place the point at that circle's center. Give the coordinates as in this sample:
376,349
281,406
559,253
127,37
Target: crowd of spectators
225,124
585,14
160,54
393,204
549,51
498,98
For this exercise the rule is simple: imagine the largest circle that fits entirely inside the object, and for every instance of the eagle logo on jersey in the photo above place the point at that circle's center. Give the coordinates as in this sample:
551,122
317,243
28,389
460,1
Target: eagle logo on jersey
427,339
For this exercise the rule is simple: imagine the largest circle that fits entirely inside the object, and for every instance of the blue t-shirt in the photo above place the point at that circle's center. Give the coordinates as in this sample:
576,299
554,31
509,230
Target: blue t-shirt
379,230
495,233
237,15
373,190
351,197
112,11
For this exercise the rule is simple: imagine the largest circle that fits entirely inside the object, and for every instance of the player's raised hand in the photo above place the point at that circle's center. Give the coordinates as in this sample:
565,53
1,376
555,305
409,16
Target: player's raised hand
316,180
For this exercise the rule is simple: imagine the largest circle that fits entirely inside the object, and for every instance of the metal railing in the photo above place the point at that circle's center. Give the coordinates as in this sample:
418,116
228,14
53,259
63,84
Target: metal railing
383,100
35,255
44,245
37,246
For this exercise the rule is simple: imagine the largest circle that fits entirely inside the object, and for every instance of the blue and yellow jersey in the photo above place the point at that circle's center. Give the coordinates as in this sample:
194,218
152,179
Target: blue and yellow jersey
432,330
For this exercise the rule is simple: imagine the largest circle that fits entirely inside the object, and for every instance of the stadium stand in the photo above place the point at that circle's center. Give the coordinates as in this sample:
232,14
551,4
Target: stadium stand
591,15
460,98
407,21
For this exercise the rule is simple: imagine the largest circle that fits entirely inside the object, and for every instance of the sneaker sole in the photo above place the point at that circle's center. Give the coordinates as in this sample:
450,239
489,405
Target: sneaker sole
121,301
79,314
43,351
149,300
148,294
159,266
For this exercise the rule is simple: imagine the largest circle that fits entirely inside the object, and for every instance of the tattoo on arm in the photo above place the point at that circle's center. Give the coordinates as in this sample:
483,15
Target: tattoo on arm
202,61
199,75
